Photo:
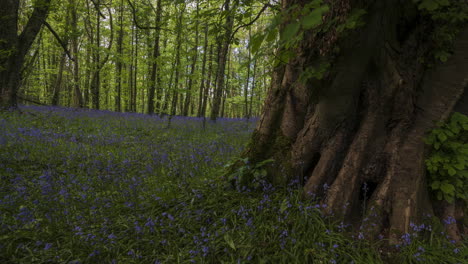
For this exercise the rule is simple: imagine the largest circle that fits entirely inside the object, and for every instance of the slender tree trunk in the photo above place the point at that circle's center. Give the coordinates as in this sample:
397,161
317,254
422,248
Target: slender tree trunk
155,79
169,89
96,79
222,60
77,96
118,63
175,92
226,90
356,136
252,90
188,96
135,72
203,78
246,87
208,83
58,81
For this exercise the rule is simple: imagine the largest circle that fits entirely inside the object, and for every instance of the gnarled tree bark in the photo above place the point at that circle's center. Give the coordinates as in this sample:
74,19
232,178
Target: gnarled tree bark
356,136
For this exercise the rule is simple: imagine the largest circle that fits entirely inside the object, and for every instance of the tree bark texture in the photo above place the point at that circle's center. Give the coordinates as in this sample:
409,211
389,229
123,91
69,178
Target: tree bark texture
356,136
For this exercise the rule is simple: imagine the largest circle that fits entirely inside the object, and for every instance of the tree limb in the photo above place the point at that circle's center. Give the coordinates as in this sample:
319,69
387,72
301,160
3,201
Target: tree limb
110,41
136,21
64,46
251,22
34,24
98,9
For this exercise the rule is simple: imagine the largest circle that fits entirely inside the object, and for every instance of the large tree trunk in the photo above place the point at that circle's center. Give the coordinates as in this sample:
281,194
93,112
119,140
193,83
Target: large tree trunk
356,136
14,47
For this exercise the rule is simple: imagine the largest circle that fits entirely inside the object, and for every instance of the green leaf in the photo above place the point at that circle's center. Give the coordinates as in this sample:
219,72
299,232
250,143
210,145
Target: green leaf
448,198
314,18
290,31
229,241
256,41
429,5
463,173
451,171
447,188
284,205
442,137
271,35
435,185
459,166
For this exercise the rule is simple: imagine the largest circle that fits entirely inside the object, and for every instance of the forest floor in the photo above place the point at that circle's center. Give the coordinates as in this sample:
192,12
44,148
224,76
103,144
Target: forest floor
85,186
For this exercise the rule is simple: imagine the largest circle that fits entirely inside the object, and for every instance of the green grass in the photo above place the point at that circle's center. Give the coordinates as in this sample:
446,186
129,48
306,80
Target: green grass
100,187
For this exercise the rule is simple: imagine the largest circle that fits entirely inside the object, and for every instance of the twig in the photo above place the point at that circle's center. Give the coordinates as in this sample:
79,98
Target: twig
140,26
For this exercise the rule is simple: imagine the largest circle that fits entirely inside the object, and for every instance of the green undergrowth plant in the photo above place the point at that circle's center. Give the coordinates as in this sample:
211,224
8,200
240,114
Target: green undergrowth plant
246,172
448,18
447,163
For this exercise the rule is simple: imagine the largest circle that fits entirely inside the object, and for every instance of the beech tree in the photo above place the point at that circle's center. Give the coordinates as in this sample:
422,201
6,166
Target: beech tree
14,47
357,87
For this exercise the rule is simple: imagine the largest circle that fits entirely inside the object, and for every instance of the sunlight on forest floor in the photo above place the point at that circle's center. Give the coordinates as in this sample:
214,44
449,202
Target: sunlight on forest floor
86,186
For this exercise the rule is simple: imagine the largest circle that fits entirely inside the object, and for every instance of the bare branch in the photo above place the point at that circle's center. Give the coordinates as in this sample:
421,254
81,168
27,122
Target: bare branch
63,44
98,9
136,21
251,22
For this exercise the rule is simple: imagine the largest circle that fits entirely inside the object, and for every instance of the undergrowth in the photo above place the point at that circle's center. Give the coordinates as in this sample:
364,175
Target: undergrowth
80,186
